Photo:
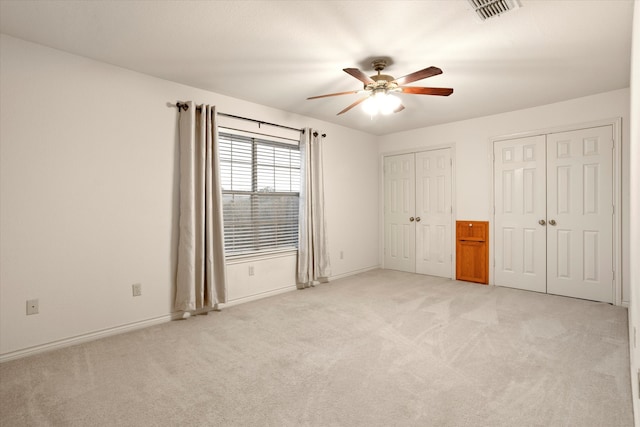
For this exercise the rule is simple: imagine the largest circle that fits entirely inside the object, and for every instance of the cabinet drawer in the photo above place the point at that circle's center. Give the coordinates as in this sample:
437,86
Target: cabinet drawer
472,230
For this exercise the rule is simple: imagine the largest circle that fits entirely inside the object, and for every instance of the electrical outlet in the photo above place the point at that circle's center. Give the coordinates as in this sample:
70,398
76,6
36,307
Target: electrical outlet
251,270
32,306
341,254
136,289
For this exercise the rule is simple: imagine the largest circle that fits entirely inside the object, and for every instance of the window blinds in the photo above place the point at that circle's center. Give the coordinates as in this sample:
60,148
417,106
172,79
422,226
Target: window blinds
260,192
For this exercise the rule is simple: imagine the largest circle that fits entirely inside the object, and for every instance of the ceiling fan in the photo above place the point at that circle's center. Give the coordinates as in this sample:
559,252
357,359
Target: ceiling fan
379,88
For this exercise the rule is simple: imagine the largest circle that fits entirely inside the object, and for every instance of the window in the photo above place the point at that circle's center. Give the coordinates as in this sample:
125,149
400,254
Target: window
260,193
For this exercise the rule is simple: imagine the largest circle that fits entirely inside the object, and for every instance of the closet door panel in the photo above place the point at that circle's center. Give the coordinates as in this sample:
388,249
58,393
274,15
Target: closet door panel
520,247
580,213
399,207
433,213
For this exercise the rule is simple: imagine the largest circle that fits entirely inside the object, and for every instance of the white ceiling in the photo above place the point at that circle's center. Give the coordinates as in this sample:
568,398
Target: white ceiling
278,53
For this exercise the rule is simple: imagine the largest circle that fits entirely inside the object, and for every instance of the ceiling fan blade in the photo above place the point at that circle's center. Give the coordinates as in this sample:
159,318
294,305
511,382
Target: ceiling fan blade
440,91
352,105
419,75
334,94
359,75
400,108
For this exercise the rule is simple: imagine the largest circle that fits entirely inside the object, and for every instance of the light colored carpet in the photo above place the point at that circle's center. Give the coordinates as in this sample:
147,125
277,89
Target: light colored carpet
382,348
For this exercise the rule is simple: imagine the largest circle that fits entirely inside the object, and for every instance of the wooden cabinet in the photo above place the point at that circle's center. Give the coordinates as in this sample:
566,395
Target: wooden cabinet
472,251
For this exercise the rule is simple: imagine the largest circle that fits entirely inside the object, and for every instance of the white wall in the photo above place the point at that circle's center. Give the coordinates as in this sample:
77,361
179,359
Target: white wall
634,279
88,197
471,139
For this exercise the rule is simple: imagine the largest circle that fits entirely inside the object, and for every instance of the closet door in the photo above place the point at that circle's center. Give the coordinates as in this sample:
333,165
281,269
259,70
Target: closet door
399,213
433,213
520,213
580,214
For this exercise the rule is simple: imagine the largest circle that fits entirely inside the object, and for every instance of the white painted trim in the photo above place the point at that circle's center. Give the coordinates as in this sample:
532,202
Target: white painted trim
616,124
454,214
92,336
558,129
239,259
492,211
255,297
417,149
617,217
352,273
289,288
79,339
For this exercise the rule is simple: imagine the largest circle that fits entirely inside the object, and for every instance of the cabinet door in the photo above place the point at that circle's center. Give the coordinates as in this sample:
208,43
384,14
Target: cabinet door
472,251
433,213
399,207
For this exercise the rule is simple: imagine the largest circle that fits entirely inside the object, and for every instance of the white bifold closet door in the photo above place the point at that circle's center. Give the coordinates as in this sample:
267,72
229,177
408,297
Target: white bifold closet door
554,213
417,209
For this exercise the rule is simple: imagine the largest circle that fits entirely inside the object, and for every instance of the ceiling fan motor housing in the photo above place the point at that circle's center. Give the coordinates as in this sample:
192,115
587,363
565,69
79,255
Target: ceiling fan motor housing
382,77
382,81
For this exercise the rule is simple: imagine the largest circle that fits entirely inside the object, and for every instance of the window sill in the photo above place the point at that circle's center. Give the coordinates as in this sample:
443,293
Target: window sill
238,259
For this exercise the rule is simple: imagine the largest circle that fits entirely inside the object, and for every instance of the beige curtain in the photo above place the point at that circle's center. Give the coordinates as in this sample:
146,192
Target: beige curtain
200,281
313,255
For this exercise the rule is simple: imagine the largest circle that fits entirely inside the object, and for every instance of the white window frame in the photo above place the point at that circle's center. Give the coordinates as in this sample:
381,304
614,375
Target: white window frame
246,236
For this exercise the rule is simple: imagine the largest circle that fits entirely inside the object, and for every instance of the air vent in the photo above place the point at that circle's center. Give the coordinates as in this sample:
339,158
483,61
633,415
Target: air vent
489,8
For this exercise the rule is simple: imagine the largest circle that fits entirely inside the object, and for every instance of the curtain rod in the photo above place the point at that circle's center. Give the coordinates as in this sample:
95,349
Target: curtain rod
259,133
182,105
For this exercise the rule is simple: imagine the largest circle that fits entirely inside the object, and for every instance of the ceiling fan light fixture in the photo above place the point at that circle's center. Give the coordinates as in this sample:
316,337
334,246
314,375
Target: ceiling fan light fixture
380,102
389,104
370,106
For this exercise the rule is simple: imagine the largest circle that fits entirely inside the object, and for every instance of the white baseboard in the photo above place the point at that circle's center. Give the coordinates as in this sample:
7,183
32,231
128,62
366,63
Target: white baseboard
258,296
79,339
352,273
90,336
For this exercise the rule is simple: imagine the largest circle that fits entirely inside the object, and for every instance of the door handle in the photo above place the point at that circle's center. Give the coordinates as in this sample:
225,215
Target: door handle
552,221
542,222
411,219
417,219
